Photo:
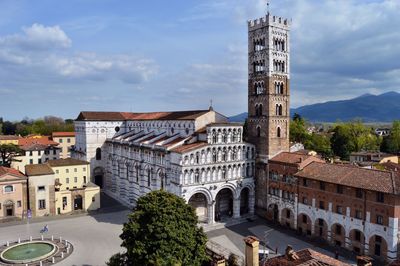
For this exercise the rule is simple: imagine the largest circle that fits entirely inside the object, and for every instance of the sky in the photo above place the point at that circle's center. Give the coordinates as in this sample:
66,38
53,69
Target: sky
62,57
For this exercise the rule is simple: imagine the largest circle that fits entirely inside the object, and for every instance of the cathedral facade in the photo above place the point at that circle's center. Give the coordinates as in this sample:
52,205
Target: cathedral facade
196,155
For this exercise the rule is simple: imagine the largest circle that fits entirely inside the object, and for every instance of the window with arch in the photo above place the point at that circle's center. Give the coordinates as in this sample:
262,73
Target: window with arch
148,177
278,132
197,177
8,189
214,157
197,158
98,154
258,131
214,137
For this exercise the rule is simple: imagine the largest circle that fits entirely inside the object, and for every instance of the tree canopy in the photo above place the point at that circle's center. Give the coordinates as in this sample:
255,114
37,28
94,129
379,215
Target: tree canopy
162,230
43,126
391,143
8,152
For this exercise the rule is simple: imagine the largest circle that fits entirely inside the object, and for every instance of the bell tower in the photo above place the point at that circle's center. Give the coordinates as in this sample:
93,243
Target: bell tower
268,85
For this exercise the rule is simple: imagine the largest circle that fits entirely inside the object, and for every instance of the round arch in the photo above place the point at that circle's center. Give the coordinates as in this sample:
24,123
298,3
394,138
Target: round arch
304,224
244,200
287,217
377,246
98,174
273,212
321,229
338,235
357,239
224,202
200,205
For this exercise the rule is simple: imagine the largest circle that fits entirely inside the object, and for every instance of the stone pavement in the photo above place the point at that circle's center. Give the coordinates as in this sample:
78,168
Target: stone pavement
232,239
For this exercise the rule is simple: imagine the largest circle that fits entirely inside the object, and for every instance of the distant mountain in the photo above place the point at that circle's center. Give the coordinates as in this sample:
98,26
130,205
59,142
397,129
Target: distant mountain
238,118
368,107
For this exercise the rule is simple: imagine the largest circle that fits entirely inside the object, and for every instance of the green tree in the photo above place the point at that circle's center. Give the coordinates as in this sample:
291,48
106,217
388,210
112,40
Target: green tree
391,143
353,137
321,144
8,152
298,130
162,230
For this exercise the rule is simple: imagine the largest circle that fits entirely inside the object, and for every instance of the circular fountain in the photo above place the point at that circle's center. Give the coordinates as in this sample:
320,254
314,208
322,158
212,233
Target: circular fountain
28,252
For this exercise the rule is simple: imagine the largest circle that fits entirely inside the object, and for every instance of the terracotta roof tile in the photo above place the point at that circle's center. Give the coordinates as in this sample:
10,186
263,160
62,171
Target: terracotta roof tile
188,147
42,140
305,257
375,180
63,134
38,169
10,171
9,137
121,116
66,162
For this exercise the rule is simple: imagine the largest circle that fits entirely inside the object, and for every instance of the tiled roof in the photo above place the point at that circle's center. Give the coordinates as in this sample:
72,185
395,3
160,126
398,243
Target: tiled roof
63,134
188,147
9,137
38,169
391,166
368,153
66,162
375,180
305,257
292,157
10,171
121,116
34,147
41,140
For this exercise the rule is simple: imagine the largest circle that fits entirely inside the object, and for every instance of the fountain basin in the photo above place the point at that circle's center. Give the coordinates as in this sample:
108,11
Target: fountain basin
28,252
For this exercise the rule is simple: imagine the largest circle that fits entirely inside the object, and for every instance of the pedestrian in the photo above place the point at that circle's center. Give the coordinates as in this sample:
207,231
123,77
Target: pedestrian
336,254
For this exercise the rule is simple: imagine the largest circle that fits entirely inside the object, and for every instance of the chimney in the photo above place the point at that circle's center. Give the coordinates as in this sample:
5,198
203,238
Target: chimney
290,254
251,251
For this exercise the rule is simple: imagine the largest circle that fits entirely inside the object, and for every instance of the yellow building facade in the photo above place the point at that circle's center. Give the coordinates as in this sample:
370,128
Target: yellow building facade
73,189
9,139
65,140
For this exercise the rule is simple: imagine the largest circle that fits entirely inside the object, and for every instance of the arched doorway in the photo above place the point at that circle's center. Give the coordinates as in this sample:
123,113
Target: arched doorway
338,235
273,212
8,208
199,203
321,229
244,201
357,239
304,224
377,246
287,217
224,204
78,203
98,173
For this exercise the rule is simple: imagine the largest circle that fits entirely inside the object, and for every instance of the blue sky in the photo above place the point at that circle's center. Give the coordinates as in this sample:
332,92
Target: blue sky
62,57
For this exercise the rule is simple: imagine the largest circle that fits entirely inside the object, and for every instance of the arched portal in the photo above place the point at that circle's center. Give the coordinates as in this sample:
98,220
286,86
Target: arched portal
287,217
304,224
98,174
244,201
357,239
8,208
321,229
224,204
78,203
377,246
338,235
199,203
273,212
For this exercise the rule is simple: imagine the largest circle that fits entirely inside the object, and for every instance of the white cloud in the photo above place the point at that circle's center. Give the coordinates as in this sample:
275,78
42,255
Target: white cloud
38,37
33,51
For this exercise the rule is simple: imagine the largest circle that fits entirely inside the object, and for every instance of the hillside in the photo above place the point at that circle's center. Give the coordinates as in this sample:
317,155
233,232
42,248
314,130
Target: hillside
370,108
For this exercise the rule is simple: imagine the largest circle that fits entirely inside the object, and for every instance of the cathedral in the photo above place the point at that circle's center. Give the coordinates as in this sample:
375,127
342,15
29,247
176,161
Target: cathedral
198,155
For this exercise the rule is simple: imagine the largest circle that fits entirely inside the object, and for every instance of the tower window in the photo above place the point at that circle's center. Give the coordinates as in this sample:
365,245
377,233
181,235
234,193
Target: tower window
278,132
98,154
258,131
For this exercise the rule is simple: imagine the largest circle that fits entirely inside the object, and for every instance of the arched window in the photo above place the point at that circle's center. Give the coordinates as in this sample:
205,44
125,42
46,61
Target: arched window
214,137
197,177
260,110
148,177
277,109
256,108
214,157
8,189
278,132
197,158
258,131
98,154
280,109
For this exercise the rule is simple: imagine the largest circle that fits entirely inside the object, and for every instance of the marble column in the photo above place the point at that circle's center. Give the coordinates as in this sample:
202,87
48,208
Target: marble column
236,208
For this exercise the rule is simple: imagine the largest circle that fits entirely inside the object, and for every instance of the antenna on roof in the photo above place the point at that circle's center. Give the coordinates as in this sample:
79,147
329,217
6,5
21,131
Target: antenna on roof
268,6
211,107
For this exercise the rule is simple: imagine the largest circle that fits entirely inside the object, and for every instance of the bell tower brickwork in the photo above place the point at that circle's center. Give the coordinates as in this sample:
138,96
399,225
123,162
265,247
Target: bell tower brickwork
268,93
